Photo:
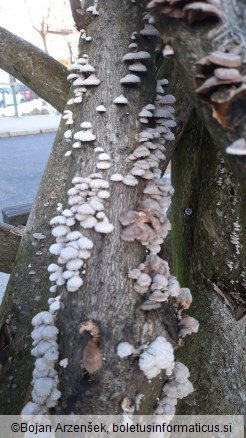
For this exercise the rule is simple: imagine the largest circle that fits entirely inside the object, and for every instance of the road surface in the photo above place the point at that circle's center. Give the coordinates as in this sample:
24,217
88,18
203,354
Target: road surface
22,162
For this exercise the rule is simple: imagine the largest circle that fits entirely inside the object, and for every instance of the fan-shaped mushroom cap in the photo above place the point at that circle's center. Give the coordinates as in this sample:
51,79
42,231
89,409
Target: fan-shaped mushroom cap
149,305
121,100
134,56
198,11
130,79
225,59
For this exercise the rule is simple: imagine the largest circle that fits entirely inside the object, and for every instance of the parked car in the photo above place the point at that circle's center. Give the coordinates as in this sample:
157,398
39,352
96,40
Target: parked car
26,92
6,97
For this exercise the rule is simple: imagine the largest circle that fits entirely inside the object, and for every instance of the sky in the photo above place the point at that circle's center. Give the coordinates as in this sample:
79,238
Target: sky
18,16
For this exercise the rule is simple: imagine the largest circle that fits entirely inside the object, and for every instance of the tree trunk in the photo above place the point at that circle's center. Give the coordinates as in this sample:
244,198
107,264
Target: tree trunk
35,68
191,43
205,258
107,295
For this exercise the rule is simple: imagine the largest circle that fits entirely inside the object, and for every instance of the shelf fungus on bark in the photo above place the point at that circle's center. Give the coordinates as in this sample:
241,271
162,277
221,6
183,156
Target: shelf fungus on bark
92,357
220,83
191,11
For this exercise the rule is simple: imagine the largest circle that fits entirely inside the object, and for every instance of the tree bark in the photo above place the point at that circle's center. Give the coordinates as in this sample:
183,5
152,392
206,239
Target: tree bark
39,71
10,238
190,44
107,295
81,21
205,258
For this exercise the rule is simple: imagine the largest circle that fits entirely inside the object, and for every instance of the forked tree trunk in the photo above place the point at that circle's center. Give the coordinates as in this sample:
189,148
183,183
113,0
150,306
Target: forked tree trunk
107,294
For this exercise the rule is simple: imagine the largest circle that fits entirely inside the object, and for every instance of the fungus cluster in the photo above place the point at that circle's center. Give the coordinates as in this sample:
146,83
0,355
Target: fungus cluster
149,226
45,349
150,150
178,387
219,82
85,135
156,357
82,76
135,59
86,207
192,11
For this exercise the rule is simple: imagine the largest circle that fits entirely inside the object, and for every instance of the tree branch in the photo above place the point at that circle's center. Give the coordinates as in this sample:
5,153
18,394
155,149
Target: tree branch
39,71
191,43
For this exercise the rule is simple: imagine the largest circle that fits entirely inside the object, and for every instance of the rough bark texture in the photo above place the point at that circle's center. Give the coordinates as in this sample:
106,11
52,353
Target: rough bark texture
203,256
81,21
191,43
35,68
107,295
10,238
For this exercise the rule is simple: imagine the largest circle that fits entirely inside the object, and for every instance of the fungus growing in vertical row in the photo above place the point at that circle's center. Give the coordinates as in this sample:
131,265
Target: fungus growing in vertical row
176,388
149,226
45,394
84,76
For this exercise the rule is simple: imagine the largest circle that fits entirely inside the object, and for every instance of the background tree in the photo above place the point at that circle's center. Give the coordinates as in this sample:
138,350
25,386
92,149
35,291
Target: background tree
108,298
44,20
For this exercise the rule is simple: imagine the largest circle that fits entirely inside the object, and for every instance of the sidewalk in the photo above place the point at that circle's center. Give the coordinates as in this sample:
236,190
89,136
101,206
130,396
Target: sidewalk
27,125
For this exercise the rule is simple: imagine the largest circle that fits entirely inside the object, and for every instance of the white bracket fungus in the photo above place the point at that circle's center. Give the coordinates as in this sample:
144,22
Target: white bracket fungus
100,109
130,80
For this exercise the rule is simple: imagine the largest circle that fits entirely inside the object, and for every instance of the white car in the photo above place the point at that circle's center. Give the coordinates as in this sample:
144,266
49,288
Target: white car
6,97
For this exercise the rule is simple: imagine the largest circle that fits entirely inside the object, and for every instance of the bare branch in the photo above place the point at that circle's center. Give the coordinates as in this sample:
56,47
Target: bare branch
39,71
